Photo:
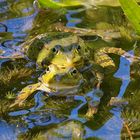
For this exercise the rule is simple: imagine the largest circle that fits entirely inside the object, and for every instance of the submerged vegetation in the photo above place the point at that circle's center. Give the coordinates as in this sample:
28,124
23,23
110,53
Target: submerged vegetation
7,76
132,11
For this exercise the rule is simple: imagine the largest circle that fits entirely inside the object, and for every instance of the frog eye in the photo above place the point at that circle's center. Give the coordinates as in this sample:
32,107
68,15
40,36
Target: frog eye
77,46
73,71
56,48
47,69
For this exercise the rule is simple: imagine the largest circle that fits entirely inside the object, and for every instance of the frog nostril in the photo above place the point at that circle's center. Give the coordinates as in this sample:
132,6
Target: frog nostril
56,48
77,47
47,69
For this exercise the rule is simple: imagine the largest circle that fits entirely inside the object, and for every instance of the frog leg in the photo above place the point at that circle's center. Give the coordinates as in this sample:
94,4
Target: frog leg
101,56
98,73
25,93
99,78
93,97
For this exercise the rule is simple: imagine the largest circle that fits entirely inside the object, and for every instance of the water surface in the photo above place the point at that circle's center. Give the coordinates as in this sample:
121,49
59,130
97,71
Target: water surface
58,118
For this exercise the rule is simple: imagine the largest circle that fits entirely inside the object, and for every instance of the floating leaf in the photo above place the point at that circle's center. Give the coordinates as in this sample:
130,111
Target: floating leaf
56,5
132,11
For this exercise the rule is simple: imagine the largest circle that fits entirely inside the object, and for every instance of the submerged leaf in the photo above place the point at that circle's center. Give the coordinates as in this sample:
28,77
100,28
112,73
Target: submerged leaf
132,11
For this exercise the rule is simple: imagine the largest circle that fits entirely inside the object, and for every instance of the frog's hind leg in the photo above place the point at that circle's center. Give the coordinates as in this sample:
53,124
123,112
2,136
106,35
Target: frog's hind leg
102,58
25,93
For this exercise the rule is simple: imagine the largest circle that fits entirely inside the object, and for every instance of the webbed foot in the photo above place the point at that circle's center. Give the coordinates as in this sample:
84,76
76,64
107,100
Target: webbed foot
24,94
91,111
116,101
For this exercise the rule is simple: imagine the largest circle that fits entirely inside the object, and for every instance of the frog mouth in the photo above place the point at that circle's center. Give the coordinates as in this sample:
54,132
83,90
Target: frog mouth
58,89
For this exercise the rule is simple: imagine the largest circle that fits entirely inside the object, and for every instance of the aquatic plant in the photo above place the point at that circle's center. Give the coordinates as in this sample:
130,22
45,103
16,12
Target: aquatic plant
131,117
57,5
131,124
14,74
61,106
132,11
10,95
4,107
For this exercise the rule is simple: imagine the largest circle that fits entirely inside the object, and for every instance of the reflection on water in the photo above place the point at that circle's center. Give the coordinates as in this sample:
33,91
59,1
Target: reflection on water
124,74
16,27
8,132
55,118
72,22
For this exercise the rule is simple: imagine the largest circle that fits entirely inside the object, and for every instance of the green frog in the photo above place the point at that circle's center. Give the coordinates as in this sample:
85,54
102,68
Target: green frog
61,41
62,82
43,47
70,63
54,81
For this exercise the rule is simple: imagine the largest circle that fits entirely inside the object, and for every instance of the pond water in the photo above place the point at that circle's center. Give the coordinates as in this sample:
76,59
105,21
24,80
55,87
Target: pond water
60,118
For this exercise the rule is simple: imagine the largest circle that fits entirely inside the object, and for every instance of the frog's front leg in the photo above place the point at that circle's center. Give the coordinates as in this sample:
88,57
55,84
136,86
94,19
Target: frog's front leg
93,98
99,78
25,93
98,73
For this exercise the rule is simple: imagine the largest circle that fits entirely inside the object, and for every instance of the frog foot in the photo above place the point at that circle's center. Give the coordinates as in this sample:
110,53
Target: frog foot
20,99
116,101
91,111
131,57
93,100
17,102
24,94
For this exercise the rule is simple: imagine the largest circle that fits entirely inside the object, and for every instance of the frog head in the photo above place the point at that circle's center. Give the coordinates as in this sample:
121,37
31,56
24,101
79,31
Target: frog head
64,52
60,80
